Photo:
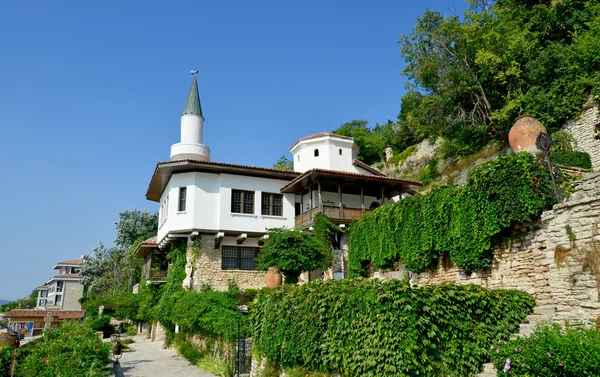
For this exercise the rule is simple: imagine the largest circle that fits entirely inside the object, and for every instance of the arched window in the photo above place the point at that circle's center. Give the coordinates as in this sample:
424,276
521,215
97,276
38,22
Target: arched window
340,151
316,153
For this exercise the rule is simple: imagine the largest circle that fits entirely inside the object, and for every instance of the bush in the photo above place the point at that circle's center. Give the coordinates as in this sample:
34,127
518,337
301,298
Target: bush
70,350
551,351
10,359
101,323
572,158
374,328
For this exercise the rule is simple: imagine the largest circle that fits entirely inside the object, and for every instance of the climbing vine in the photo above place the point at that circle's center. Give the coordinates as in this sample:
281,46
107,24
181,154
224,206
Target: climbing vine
462,222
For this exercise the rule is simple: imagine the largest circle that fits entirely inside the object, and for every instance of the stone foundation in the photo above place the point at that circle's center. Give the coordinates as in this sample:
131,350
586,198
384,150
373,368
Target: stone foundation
561,274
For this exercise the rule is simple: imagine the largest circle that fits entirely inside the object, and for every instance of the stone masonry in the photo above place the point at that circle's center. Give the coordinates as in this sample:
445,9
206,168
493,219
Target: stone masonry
561,273
585,129
204,266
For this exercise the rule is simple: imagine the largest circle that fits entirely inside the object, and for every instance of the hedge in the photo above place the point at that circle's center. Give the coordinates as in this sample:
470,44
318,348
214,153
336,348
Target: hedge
363,327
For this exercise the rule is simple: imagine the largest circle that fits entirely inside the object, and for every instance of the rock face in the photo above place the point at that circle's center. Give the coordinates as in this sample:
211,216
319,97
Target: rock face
524,133
557,260
586,130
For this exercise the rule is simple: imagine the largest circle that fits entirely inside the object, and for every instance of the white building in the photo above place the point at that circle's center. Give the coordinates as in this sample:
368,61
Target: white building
226,208
63,291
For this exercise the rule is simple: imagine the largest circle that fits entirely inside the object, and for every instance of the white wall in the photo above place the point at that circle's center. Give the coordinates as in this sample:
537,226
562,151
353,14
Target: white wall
253,222
208,204
329,157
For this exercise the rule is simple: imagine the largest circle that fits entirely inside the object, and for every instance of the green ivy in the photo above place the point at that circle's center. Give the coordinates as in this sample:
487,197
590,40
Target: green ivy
363,327
572,158
462,222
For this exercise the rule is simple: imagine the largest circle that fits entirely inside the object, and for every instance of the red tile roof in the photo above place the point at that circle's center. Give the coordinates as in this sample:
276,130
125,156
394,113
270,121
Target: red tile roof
68,276
34,313
151,241
74,262
321,134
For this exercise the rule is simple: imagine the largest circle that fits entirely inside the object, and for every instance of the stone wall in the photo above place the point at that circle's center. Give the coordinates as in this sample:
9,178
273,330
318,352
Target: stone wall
204,266
543,261
582,128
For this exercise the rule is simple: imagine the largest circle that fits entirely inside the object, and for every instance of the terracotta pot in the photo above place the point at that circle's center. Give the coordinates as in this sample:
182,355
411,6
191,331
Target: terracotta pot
11,340
273,278
524,133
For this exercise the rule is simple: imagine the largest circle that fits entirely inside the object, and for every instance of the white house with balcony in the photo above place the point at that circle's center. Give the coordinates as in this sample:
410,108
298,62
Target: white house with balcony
226,209
62,291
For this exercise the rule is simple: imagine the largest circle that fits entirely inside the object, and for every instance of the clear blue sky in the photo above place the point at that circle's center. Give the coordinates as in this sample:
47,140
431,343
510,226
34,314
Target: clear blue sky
91,94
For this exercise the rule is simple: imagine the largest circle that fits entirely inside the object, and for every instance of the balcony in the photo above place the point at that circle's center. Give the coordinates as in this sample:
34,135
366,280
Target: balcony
157,276
337,215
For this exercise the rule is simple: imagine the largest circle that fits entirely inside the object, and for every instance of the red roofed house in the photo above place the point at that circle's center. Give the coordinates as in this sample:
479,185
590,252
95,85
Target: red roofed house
225,209
63,291
32,322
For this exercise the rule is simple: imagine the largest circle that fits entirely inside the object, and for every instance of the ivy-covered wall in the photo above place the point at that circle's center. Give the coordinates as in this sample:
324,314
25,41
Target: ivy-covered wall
460,222
555,259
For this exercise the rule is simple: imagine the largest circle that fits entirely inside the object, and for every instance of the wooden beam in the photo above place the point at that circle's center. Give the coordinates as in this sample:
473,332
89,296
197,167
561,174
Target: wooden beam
382,196
241,238
218,239
310,201
320,196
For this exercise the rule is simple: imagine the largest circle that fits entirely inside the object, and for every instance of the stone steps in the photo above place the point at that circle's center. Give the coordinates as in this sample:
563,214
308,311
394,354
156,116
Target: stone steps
488,371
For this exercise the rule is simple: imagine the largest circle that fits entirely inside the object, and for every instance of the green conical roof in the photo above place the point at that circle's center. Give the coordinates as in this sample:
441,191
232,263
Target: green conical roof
192,106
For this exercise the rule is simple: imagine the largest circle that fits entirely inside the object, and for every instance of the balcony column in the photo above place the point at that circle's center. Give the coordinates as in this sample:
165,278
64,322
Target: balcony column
310,201
362,200
382,196
320,196
340,200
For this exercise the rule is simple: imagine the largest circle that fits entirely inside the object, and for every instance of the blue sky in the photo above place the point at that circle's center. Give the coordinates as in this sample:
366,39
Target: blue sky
91,94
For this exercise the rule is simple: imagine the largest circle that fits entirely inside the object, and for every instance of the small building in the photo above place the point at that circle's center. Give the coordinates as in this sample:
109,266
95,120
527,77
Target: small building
222,210
63,291
32,322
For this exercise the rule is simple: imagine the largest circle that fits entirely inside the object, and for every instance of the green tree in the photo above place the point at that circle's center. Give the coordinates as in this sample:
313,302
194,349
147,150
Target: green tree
293,251
284,163
472,75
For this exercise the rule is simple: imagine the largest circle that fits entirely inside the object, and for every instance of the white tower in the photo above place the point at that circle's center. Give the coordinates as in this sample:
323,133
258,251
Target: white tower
192,121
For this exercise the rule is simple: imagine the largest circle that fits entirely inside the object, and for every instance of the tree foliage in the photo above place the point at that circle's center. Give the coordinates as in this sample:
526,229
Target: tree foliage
111,272
372,142
284,163
472,75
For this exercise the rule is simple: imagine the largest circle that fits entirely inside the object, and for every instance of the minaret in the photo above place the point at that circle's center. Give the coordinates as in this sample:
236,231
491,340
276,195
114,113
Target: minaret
192,121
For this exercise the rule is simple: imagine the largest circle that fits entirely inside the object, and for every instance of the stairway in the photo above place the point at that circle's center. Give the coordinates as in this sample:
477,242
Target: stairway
540,313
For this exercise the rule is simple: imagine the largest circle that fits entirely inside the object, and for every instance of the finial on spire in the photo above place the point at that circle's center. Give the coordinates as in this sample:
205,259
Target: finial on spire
193,72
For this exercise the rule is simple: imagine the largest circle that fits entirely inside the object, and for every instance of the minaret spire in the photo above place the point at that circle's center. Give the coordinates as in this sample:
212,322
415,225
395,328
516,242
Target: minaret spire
192,106
192,123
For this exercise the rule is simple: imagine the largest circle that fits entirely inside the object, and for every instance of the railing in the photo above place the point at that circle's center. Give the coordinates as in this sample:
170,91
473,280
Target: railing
157,275
334,213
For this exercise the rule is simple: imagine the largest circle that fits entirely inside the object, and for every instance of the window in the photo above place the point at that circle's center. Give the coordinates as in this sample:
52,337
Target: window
272,204
58,300
316,153
340,151
164,210
242,201
239,258
182,198
298,157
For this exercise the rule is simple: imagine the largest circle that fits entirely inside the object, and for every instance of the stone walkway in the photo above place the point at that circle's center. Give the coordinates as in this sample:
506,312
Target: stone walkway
149,359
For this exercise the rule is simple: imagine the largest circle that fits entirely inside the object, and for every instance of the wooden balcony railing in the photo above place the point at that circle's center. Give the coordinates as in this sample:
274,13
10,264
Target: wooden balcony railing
336,214
157,275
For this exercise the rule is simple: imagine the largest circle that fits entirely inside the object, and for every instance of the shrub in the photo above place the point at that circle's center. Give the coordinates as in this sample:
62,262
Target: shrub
70,350
374,328
10,359
101,323
398,159
551,351
572,158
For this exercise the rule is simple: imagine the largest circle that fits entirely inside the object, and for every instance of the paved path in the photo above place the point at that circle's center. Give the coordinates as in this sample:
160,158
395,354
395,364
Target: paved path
149,359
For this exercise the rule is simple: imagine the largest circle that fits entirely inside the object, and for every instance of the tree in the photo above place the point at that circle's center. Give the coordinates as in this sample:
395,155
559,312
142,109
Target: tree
111,272
284,163
28,302
293,251
472,75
